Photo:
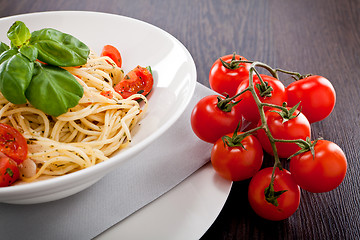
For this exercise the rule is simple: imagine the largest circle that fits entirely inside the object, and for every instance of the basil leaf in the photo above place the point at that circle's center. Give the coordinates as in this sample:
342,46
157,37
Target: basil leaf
7,54
53,90
3,47
59,49
30,52
18,34
15,75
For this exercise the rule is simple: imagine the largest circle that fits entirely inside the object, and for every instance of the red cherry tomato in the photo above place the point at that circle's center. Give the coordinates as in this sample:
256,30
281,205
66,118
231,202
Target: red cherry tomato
9,171
247,105
288,202
237,163
225,79
209,122
12,143
317,96
112,52
139,80
107,94
295,128
323,173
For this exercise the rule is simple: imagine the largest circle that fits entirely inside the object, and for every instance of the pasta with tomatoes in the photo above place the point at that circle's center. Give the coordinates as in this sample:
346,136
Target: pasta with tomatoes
88,133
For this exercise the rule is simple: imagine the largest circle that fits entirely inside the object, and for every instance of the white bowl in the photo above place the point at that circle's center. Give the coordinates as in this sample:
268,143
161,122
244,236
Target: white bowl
140,43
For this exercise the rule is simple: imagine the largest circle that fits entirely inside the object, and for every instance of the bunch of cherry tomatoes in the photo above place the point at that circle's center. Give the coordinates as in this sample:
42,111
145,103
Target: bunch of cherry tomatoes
255,113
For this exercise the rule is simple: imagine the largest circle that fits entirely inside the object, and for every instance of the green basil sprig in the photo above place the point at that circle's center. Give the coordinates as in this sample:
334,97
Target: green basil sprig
15,76
3,47
47,86
59,49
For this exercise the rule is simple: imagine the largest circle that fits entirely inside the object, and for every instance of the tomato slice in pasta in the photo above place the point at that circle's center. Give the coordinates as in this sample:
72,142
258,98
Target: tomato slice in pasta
112,53
12,143
9,171
137,81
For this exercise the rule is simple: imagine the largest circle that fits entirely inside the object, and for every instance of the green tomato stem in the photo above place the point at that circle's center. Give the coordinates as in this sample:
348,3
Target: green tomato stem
283,108
305,145
260,106
264,125
297,76
263,65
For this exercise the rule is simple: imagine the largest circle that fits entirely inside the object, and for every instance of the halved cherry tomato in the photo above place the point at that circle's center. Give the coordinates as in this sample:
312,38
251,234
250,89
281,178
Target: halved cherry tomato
107,94
112,52
139,80
12,143
9,171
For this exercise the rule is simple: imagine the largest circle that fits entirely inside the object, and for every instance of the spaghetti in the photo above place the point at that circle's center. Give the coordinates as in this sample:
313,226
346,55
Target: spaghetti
88,133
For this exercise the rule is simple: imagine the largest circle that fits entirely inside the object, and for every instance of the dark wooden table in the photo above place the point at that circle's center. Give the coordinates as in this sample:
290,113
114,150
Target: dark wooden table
308,36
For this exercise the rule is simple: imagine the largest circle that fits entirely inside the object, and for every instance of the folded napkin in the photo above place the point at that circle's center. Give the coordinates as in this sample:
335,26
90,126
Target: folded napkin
160,167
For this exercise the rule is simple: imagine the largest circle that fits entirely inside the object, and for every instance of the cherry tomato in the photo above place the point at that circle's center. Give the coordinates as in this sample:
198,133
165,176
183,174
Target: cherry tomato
247,105
237,163
209,122
226,78
288,202
323,173
295,128
12,143
107,94
9,171
112,52
139,80
317,96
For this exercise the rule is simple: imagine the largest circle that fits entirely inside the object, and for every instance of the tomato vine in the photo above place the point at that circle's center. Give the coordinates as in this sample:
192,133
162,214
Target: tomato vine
279,120
270,193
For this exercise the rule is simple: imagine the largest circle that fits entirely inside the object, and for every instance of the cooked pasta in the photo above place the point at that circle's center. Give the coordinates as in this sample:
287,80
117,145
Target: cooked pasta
88,133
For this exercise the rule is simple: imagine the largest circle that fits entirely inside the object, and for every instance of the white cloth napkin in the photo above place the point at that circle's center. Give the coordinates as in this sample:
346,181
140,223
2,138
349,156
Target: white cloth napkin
160,167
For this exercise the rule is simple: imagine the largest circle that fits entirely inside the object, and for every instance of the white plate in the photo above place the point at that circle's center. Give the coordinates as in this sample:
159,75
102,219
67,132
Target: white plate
178,216
140,44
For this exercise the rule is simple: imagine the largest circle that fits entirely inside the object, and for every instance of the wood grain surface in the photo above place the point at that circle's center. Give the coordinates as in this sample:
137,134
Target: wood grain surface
308,36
